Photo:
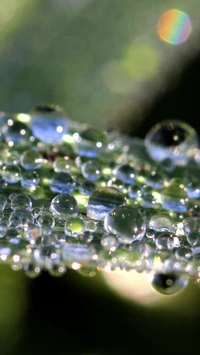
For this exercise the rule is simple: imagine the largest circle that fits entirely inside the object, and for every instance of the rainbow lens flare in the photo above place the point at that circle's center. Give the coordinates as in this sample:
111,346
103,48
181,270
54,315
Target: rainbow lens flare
174,26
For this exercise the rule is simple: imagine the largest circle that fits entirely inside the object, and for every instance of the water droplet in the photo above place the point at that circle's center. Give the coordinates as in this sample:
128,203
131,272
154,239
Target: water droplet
91,226
168,284
62,165
193,189
164,241
49,123
12,159
109,242
11,174
161,222
21,201
150,233
127,223
57,270
87,236
173,139
20,218
102,201
183,253
47,220
86,187
191,224
31,160
3,202
135,191
31,270
174,197
3,229
15,131
29,179
64,204
76,225
91,170
91,142
62,183
126,173
155,180
193,237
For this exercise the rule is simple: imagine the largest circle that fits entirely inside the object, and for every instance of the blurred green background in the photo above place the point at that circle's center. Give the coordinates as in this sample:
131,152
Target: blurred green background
104,62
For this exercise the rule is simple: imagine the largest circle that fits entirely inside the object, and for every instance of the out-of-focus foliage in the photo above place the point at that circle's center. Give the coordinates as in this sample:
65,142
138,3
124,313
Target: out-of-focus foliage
95,58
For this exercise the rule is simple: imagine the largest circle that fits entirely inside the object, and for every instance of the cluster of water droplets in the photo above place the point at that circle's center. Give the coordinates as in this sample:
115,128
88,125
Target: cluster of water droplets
73,196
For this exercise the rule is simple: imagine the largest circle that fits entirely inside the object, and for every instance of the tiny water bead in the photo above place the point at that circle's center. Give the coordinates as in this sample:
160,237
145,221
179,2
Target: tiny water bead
168,284
48,123
64,204
31,160
175,140
126,223
109,242
174,196
102,201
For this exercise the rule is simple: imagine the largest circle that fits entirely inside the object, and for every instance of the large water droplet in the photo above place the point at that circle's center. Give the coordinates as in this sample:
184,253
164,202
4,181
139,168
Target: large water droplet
64,204
49,123
168,284
102,201
172,139
127,223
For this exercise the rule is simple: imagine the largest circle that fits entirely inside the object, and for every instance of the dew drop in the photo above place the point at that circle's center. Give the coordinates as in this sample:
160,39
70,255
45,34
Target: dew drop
127,223
21,201
65,205
126,173
75,224
31,160
91,170
91,142
168,284
49,123
175,140
109,242
102,201
161,222
11,174
62,183
29,179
